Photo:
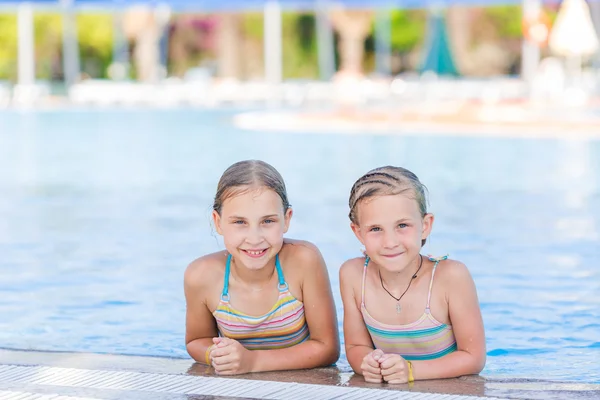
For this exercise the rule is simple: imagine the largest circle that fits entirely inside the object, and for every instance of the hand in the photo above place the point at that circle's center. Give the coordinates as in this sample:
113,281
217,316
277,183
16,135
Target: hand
394,368
229,357
370,367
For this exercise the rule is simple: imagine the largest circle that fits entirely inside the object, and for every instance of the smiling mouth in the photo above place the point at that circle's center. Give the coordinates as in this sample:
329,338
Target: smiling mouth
255,253
392,255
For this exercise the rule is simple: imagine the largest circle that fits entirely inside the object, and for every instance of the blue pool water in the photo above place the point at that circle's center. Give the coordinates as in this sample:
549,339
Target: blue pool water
100,212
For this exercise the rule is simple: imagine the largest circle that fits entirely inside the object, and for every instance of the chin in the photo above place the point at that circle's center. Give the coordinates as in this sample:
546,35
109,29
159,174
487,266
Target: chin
394,264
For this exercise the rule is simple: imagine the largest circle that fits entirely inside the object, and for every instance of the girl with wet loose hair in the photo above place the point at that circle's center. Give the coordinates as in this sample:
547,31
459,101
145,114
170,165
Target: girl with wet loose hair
265,302
399,324
246,175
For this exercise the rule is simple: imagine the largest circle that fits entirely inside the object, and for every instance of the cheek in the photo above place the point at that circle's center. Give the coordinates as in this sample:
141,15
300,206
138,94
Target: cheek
371,240
232,233
275,232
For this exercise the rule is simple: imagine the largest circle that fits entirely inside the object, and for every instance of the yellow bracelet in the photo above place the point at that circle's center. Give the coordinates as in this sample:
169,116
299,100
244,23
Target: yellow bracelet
207,354
411,378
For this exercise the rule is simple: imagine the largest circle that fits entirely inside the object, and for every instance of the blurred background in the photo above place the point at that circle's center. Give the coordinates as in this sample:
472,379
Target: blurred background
118,118
203,52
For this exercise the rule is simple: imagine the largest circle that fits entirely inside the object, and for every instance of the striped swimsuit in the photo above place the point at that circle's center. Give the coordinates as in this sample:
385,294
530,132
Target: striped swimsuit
283,326
424,339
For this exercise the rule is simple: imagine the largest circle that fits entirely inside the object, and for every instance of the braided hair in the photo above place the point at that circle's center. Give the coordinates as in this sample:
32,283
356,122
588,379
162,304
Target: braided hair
386,181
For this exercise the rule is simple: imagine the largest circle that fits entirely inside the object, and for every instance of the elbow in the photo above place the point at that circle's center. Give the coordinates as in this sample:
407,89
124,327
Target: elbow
335,356
481,363
192,351
332,355
478,364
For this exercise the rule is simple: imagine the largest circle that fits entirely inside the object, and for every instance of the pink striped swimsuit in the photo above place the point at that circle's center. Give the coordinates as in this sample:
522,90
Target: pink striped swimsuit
283,326
424,339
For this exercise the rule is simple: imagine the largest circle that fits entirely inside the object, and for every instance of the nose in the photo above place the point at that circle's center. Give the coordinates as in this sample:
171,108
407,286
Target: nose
390,240
254,236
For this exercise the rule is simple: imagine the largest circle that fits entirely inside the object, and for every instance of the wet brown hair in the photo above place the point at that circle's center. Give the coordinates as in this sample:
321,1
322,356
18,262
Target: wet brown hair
385,181
249,174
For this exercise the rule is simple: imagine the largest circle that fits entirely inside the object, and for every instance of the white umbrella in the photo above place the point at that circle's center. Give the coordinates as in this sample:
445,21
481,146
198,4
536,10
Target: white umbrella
573,34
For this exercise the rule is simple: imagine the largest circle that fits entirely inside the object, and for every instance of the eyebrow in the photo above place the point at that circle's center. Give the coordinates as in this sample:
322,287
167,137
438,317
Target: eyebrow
396,222
265,216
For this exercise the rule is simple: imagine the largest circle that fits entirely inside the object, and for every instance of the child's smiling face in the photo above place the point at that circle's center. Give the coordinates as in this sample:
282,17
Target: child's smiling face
252,224
392,229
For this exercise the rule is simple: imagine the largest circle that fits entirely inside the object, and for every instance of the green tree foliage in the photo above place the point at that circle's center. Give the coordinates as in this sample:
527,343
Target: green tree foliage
408,29
95,44
8,46
299,46
506,20
95,36
298,42
48,42
252,25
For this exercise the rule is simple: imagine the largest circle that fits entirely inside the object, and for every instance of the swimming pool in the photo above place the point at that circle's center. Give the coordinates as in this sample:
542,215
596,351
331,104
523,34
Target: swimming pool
101,211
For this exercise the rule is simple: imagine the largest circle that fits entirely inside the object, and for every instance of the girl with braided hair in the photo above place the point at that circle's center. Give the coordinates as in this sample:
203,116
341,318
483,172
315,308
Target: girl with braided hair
401,324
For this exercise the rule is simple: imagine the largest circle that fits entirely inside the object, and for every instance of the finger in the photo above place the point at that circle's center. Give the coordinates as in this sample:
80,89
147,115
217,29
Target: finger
383,357
225,369
394,376
369,360
377,354
386,373
224,342
391,362
223,360
227,372
227,366
394,369
396,381
217,340
220,351
372,378
370,370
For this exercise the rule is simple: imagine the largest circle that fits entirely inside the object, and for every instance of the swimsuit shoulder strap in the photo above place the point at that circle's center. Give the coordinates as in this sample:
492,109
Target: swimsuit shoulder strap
364,278
436,261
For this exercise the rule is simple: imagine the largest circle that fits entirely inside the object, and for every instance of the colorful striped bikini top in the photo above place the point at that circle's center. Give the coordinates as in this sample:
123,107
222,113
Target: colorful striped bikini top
424,339
283,326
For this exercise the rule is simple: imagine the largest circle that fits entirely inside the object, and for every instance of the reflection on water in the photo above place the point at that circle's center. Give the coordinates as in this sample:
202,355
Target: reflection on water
101,212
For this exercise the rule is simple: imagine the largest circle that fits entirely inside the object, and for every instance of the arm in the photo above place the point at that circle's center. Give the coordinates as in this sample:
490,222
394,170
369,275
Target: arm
465,317
200,327
323,346
358,343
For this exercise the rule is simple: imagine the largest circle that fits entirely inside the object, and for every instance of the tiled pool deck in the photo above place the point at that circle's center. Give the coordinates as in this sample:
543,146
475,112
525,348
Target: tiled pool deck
71,376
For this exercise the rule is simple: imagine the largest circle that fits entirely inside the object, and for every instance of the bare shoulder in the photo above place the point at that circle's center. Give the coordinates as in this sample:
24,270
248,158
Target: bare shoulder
302,254
453,271
205,270
352,268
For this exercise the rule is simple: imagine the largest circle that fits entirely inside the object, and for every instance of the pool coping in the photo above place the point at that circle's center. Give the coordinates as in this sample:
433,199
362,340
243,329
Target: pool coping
326,379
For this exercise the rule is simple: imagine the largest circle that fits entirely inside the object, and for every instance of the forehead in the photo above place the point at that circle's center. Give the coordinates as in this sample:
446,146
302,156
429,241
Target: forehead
389,207
253,201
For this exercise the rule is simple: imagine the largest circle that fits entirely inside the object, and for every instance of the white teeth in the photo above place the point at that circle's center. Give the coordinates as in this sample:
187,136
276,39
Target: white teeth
254,253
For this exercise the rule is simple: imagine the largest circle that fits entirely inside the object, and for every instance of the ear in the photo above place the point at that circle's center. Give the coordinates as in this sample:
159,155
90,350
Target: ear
356,229
217,222
286,219
427,225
